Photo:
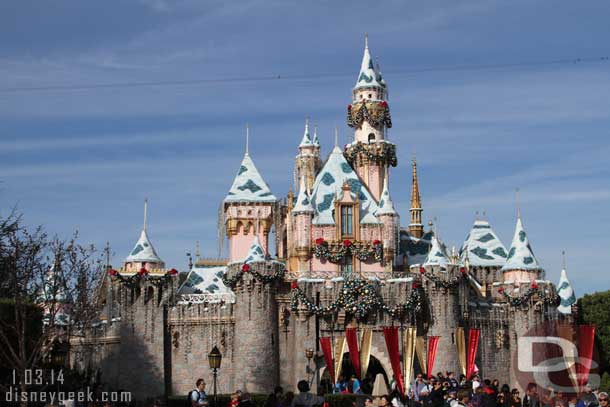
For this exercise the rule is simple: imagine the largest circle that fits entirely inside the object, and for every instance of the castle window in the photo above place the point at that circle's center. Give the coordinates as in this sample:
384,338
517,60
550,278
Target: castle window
347,266
347,220
371,137
370,96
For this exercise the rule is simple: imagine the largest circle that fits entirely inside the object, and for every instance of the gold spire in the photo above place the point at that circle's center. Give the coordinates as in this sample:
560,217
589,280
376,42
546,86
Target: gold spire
416,228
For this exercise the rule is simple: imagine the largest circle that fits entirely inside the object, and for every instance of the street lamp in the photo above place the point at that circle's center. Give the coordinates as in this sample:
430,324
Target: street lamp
309,356
215,358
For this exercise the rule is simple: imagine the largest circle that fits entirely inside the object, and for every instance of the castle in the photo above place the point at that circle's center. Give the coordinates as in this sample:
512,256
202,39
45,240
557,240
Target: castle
342,259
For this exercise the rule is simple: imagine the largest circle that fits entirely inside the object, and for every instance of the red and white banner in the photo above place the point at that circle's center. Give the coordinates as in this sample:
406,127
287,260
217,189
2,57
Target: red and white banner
390,333
473,344
432,347
586,339
326,346
351,335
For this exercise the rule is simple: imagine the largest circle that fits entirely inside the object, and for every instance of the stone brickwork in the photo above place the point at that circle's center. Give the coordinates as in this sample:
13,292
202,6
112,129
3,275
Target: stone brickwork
156,345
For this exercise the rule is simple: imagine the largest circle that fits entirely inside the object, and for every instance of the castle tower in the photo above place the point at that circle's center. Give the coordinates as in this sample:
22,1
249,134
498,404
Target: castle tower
391,224
521,264
302,215
248,209
416,227
256,356
369,115
307,162
143,254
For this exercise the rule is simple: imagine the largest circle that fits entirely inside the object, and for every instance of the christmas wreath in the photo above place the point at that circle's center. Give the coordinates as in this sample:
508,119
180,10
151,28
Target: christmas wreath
446,284
376,113
132,281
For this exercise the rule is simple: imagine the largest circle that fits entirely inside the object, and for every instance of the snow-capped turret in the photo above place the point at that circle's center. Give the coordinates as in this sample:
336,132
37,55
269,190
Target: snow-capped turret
143,255
565,293
306,140
249,185
483,247
520,254
303,204
315,141
256,254
368,76
436,255
386,206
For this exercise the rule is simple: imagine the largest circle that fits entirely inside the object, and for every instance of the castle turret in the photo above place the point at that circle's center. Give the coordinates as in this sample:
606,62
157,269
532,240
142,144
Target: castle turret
565,292
307,162
437,258
521,264
370,153
302,215
256,357
143,254
391,223
416,227
248,205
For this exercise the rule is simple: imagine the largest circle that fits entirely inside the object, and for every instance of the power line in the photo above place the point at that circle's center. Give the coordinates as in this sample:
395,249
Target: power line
267,78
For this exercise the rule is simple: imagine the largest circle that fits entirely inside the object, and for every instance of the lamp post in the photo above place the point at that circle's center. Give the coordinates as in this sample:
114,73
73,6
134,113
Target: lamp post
215,358
309,356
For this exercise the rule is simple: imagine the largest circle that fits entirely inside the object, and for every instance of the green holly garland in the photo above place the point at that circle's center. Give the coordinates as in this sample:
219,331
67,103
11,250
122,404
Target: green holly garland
232,281
143,274
446,284
336,252
379,152
355,118
552,299
359,298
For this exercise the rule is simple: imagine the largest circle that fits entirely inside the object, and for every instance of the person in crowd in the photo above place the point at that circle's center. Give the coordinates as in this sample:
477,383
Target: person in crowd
587,397
197,396
305,398
287,399
234,402
354,385
476,383
395,399
451,400
495,385
531,398
463,397
437,395
341,385
418,386
572,401
246,400
602,398
515,398
452,380
274,398
478,397
368,401
500,400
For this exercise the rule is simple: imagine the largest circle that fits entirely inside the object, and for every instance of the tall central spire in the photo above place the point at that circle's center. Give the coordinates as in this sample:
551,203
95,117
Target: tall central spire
416,228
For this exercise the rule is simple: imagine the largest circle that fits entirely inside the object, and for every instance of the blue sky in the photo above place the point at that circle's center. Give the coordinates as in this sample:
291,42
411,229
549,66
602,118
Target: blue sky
86,159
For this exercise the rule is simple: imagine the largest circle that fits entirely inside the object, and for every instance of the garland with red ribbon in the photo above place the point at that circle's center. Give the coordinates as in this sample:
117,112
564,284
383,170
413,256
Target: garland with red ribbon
335,252
453,282
143,273
232,281
551,299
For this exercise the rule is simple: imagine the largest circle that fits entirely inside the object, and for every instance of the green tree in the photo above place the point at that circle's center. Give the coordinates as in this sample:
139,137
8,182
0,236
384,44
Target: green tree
595,310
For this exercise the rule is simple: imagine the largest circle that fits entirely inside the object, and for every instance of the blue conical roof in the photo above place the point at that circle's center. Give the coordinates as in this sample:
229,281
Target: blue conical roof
520,254
249,185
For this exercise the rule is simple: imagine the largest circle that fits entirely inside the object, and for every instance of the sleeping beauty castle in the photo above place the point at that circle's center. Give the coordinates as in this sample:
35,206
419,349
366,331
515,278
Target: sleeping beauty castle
349,289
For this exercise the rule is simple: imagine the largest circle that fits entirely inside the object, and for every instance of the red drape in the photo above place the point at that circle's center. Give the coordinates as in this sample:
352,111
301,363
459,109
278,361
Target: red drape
351,336
473,344
586,338
390,333
326,346
432,346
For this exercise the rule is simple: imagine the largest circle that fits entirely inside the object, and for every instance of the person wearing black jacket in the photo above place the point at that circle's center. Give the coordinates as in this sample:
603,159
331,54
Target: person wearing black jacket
531,396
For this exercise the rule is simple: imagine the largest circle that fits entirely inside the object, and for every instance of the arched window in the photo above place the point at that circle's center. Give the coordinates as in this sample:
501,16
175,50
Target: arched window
371,137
